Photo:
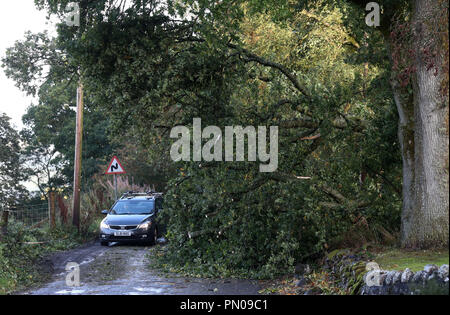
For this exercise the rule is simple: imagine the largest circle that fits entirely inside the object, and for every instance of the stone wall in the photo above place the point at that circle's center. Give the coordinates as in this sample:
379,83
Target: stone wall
352,274
430,280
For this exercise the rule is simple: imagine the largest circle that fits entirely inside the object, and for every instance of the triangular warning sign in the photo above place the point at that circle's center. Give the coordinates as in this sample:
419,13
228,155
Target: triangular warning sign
115,167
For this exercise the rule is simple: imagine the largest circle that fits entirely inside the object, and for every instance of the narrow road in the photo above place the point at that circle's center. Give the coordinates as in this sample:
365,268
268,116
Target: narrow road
124,270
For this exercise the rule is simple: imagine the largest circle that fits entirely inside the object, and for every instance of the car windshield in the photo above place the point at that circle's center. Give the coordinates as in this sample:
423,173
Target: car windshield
133,207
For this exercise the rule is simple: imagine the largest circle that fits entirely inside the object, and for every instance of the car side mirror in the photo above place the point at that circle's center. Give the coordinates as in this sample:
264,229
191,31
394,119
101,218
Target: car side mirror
105,212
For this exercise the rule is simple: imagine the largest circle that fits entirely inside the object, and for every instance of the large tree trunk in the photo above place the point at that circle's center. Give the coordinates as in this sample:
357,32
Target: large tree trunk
425,221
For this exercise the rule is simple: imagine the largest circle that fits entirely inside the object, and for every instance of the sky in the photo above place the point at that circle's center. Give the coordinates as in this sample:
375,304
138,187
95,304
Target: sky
17,17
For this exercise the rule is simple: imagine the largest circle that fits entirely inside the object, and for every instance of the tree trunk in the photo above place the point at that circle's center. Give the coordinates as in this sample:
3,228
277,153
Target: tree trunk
425,221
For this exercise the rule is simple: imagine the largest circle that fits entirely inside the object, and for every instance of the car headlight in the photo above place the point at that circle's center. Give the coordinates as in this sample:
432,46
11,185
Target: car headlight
103,225
145,225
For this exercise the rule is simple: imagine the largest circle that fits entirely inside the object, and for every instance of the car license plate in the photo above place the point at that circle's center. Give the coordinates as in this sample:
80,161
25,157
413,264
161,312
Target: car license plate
122,233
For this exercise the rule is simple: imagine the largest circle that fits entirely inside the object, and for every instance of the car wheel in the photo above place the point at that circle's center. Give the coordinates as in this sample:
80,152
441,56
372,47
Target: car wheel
104,243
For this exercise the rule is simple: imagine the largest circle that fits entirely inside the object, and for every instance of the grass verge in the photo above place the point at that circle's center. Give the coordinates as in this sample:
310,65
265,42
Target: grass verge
23,252
400,259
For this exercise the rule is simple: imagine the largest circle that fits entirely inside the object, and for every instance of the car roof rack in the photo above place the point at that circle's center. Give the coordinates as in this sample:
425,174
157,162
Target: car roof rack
150,194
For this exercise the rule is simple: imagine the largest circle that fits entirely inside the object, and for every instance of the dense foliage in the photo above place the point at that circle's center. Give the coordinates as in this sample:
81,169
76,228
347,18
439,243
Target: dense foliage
11,170
339,129
49,136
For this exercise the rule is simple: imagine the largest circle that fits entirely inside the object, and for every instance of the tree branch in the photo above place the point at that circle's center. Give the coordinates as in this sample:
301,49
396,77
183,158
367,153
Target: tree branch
252,57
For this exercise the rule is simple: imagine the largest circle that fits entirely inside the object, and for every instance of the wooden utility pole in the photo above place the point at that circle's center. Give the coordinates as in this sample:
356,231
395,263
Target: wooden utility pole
77,163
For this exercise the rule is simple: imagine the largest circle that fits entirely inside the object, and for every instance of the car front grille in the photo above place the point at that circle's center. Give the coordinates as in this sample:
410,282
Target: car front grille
126,227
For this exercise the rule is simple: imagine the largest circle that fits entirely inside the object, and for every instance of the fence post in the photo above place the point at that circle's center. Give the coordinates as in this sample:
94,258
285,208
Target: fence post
62,209
4,223
51,208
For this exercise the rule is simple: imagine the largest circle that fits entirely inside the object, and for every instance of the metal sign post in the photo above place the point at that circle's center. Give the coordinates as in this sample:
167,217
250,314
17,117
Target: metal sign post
115,187
115,168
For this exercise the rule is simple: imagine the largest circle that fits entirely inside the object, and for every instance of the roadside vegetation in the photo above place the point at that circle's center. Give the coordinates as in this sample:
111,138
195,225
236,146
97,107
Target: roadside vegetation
23,253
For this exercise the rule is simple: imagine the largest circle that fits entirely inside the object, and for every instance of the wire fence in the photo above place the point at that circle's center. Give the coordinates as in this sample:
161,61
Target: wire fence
29,215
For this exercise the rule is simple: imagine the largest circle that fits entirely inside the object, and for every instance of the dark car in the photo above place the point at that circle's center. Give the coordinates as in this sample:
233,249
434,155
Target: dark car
132,218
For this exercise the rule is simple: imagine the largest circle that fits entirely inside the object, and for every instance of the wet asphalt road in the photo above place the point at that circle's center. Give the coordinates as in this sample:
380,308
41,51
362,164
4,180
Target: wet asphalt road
124,270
